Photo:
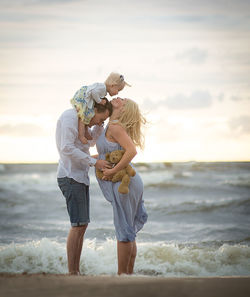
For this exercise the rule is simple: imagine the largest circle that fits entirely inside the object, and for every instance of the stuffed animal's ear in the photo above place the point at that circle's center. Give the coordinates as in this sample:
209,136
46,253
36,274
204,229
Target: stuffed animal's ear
107,156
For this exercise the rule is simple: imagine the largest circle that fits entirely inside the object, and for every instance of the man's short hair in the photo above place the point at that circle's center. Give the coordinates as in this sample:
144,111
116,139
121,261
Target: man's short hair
102,108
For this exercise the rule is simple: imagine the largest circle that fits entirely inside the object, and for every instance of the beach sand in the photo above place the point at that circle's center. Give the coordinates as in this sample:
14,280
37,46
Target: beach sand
46,285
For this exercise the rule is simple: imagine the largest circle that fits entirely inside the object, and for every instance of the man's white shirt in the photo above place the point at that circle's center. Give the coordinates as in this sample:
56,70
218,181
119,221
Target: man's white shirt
75,158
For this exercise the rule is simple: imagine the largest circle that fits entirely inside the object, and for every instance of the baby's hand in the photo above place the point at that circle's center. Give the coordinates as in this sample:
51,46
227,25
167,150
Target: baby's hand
103,102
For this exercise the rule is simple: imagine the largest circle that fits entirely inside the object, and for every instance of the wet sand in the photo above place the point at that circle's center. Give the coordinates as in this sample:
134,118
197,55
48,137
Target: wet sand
46,285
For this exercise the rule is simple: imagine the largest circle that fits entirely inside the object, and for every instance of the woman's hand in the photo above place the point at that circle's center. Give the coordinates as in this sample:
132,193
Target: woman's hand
108,173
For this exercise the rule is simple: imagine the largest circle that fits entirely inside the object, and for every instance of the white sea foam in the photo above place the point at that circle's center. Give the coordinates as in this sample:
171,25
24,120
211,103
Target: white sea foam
33,257
153,259
175,260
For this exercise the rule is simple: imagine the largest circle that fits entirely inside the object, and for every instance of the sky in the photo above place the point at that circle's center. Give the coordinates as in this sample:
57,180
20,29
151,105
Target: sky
188,62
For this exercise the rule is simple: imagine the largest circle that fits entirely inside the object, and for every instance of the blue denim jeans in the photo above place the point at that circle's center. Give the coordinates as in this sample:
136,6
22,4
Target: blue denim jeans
77,200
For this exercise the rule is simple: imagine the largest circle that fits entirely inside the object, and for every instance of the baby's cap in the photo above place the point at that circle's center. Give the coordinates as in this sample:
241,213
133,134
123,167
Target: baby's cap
116,78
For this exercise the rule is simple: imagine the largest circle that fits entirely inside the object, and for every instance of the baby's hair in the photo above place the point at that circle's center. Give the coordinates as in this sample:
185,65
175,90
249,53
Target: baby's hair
116,79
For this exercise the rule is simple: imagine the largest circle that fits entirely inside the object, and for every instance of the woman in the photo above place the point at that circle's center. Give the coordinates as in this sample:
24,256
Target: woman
124,132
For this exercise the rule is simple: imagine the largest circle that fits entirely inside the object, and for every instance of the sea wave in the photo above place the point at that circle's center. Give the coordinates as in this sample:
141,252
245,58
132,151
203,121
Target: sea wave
164,185
2,168
27,168
152,166
239,182
218,166
200,206
21,182
178,260
99,258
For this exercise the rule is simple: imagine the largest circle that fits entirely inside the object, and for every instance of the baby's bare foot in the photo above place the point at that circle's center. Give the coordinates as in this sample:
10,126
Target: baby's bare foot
87,135
83,140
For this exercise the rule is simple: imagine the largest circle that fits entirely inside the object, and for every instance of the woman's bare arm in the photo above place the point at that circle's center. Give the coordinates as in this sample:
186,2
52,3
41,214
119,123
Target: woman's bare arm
119,134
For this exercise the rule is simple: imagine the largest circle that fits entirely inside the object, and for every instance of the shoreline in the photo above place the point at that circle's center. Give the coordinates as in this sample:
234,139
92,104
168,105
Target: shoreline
40,285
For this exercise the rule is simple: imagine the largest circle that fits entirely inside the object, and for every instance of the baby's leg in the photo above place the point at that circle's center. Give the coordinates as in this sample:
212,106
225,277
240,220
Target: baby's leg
81,131
87,135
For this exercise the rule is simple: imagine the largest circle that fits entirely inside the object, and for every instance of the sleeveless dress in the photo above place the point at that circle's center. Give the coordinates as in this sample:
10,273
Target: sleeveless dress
129,213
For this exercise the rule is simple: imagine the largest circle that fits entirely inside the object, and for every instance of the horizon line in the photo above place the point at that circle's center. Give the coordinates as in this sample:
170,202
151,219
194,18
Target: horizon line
140,162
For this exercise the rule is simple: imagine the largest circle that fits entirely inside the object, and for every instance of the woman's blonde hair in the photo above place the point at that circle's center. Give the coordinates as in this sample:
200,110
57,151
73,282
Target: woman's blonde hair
116,79
132,121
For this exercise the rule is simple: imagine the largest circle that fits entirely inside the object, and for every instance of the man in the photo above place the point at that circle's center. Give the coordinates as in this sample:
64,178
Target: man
72,175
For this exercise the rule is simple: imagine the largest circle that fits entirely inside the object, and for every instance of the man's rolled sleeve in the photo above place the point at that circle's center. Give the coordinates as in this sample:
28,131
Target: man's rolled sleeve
67,145
92,161
95,133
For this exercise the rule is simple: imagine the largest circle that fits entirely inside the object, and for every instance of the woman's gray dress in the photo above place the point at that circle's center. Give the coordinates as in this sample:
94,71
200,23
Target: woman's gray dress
129,213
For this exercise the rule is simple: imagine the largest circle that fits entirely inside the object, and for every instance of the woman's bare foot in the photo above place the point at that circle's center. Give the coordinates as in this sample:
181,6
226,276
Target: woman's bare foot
74,273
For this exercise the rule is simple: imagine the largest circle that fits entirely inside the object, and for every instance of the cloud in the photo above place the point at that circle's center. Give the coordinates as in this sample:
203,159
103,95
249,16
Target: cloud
212,6
163,12
220,97
22,130
198,99
236,98
16,3
240,124
193,56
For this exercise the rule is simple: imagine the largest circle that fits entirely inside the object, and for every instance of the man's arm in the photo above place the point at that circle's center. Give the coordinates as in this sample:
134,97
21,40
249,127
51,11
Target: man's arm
95,132
68,136
67,147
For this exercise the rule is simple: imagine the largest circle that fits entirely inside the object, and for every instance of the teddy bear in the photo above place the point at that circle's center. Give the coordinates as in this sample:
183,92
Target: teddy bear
122,175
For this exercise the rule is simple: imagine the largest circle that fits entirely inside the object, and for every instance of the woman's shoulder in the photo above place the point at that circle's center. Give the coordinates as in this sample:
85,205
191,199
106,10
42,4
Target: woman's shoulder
115,126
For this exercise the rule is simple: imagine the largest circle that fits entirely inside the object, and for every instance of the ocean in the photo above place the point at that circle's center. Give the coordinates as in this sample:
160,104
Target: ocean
198,221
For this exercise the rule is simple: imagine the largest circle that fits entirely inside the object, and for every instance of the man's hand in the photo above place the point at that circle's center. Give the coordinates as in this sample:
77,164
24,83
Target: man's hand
102,164
103,102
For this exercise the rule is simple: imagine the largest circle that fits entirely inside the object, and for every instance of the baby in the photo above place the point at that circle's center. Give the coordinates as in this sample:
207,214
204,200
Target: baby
83,101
